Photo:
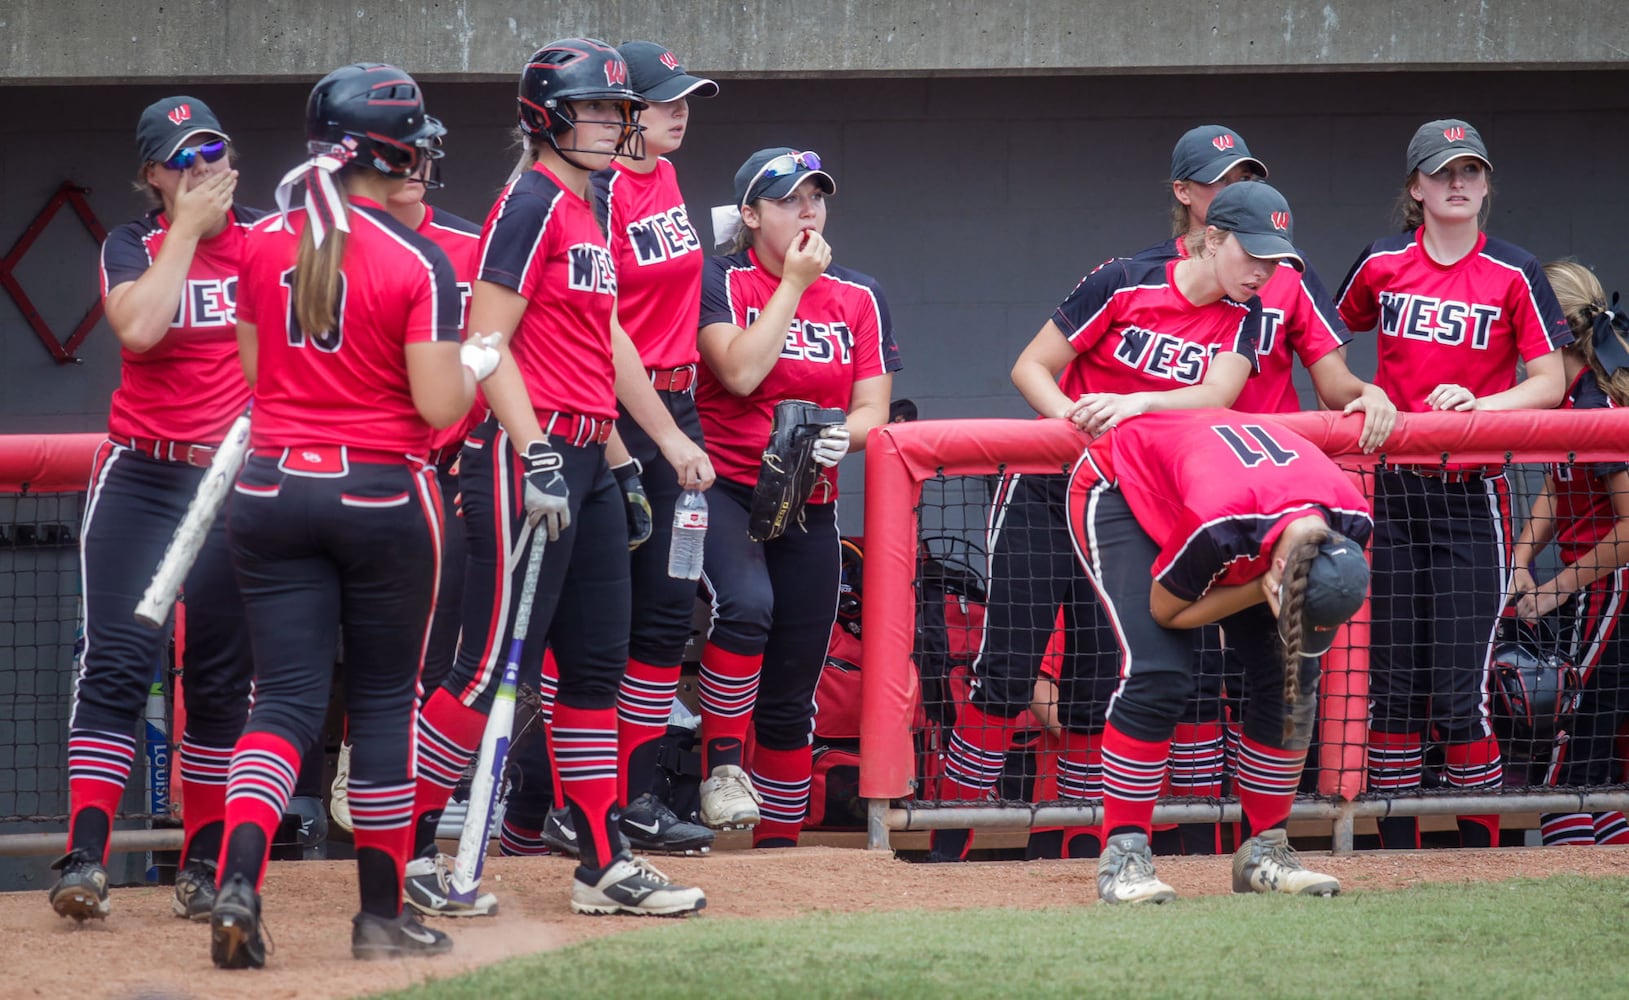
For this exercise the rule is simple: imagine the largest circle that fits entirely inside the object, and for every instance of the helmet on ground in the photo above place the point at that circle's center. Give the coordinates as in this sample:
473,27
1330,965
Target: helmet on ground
568,71
372,113
1536,690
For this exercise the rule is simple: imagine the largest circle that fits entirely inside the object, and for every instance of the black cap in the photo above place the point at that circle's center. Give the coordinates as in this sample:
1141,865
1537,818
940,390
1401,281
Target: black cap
655,74
1337,584
750,184
167,125
1435,143
1259,218
1205,153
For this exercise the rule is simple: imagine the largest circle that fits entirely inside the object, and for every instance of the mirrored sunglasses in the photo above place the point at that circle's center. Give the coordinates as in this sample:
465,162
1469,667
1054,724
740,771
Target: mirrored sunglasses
784,165
209,151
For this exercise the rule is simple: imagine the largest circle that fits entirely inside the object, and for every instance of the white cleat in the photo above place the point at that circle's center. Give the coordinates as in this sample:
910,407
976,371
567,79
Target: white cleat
1267,863
728,800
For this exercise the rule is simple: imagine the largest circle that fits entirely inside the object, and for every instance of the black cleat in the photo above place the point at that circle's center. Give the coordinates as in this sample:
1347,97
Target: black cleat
374,937
194,890
559,832
234,927
649,825
81,890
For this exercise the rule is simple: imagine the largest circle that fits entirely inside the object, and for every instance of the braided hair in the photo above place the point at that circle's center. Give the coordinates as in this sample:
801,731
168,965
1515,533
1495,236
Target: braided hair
1583,300
1292,602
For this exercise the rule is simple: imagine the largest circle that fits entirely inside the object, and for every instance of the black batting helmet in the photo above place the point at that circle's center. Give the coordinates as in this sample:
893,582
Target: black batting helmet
372,113
1536,689
572,69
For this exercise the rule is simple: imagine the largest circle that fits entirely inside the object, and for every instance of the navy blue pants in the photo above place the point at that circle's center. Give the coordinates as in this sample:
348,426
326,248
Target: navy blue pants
131,512
777,598
319,556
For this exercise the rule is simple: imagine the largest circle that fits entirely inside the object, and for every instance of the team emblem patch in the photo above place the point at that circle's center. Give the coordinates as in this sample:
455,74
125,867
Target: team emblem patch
669,61
1454,134
1223,142
180,113
1281,220
616,72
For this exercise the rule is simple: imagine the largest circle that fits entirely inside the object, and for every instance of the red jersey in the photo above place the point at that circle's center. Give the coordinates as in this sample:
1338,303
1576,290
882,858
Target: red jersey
1135,332
841,334
347,386
460,240
1464,322
189,386
544,242
1583,493
659,261
1213,488
1297,316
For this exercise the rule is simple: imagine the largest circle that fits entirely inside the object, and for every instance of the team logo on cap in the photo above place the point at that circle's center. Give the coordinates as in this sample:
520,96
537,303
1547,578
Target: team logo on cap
1281,220
669,61
616,72
1455,133
1223,142
180,113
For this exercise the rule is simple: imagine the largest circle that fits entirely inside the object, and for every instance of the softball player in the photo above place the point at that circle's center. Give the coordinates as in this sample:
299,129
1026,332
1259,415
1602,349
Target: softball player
1298,320
1141,335
659,262
1242,522
169,286
547,282
1585,512
778,321
1446,299
348,330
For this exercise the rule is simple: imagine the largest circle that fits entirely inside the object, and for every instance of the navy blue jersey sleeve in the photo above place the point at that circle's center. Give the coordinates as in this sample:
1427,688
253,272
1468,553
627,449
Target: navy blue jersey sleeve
1248,337
891,360
449,295
600,184
1159,252
1091,298
1318,295
516,247
124,253
715,289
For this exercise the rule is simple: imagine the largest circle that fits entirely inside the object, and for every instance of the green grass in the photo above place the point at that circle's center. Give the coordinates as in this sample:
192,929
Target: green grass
1552,938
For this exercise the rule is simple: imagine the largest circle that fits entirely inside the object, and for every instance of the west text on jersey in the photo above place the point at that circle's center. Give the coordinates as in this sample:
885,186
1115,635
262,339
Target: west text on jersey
1442,321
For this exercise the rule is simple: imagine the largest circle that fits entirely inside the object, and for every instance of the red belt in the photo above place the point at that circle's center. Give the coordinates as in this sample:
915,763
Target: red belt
196,455
674,379
577,429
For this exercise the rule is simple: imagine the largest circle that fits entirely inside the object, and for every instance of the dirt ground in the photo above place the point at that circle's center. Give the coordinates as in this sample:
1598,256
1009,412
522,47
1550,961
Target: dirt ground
141,951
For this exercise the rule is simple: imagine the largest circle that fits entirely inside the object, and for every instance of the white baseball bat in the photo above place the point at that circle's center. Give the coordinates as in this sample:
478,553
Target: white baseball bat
484,790
194,527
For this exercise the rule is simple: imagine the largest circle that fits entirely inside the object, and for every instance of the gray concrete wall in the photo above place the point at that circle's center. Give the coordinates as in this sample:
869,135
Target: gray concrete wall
67,41
978,203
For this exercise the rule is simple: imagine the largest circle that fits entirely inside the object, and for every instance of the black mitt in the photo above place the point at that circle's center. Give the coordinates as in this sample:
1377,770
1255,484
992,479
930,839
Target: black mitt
788,472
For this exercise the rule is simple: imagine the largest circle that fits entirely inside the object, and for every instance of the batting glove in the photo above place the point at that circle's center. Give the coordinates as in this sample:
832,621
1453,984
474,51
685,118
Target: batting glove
546,492
480,354
633,494
832,445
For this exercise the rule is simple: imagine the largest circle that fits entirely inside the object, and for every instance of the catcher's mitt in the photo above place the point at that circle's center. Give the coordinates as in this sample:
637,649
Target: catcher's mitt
787,473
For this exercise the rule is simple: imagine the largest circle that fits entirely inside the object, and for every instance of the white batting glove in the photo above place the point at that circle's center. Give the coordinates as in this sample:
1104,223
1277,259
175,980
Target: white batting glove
832,445
480,354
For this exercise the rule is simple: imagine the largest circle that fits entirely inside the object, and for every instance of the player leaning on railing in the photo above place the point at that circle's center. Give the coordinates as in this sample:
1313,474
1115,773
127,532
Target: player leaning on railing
1447,301
1584,510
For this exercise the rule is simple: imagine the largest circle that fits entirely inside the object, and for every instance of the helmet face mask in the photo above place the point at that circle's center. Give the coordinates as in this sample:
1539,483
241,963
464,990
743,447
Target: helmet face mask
569,72
372,114
1536,689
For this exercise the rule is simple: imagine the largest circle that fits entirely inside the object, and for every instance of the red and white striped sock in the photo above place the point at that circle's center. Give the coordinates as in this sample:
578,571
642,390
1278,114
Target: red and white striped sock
259,784
1476,765
1567,829
1080,776
517,841
204,771
971,762
585,747
729,690
1133,774
1268,779
1611,828
382,820
548,694
782,779
98,768
644,702
449,738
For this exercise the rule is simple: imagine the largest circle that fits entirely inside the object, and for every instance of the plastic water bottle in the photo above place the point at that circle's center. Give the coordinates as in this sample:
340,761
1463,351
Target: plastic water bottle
689,536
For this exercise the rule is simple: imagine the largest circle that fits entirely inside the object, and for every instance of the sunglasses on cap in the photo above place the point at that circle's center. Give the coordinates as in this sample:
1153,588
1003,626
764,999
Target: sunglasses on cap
784,165
210,152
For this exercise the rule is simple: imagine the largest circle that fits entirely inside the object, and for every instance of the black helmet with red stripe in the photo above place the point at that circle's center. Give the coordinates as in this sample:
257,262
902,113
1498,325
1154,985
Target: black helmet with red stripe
569,71
373,114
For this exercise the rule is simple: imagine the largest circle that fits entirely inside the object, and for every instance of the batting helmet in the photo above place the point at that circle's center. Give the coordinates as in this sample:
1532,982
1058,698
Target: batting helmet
574,69
372,113
1536,690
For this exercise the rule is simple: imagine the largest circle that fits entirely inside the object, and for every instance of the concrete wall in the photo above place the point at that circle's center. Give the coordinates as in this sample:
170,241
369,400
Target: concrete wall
978,203
68,40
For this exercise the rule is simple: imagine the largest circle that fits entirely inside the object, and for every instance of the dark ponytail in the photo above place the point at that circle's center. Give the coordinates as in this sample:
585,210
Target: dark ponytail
1292,601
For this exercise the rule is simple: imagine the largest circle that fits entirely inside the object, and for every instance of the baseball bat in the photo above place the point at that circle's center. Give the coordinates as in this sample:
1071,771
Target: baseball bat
194,527
488,783
155,730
